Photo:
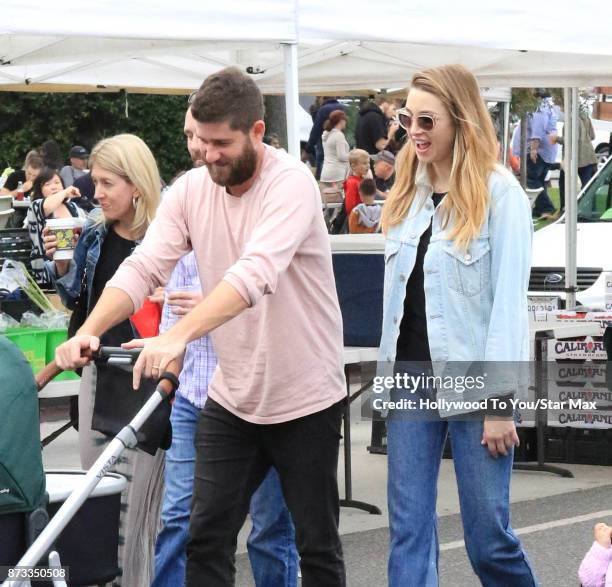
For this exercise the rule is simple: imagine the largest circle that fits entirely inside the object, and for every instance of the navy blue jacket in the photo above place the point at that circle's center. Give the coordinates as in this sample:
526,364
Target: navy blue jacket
323,113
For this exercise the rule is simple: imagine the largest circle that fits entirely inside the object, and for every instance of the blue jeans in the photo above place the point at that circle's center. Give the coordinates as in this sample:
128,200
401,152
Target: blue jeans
536,178
271,543
415,451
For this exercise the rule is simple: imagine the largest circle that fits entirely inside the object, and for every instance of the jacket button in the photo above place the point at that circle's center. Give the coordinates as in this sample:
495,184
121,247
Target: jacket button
413,235
402,277
468,257
394,319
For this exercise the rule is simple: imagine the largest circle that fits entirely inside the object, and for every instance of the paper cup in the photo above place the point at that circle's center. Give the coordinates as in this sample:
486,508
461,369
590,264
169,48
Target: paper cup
67,232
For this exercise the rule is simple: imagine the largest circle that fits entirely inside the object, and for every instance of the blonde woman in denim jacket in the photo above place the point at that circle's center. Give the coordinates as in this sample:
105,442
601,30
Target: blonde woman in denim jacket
127,183
457,262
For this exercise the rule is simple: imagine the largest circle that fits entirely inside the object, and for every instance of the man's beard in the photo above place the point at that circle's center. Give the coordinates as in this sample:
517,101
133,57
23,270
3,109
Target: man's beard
236,172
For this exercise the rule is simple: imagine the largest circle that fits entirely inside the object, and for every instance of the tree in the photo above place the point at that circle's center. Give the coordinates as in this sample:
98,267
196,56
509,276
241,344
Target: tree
275,118
29,119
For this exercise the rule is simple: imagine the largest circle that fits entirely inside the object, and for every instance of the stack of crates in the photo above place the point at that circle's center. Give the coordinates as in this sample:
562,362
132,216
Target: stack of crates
579,445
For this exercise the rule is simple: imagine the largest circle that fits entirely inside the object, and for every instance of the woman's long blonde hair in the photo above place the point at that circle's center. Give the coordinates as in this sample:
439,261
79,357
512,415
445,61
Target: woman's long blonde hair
129,157
474,156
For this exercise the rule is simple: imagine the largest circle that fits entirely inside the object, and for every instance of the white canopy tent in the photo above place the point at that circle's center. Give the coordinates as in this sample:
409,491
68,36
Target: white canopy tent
313,45
340,47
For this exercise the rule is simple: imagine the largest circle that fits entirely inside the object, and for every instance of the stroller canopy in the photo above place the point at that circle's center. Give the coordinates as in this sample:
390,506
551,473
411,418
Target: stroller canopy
22,478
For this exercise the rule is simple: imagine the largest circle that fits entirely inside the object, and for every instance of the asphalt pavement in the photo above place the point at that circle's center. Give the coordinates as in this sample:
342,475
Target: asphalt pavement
554,516
555,531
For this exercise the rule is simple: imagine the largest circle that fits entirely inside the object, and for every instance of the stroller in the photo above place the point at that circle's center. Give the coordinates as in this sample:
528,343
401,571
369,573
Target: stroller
26,473
22,479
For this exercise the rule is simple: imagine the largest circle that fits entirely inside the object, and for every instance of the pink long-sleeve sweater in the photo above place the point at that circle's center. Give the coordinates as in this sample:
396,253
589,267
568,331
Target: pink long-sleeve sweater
281,358
596,567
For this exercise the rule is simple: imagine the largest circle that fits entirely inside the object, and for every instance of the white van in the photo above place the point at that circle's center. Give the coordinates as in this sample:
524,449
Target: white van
594,252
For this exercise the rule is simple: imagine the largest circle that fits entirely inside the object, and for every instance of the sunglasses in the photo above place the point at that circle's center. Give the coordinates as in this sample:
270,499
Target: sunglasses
191,98
425,122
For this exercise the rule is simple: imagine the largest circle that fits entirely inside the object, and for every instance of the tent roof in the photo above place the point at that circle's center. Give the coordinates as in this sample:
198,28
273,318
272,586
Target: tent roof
152,44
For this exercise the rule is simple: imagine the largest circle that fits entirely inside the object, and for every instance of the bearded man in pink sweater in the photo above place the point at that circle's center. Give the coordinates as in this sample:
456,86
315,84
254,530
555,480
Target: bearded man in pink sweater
252,216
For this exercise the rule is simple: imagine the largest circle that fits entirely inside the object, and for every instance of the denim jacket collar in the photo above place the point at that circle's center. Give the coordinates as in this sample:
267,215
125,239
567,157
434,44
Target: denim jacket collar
476,298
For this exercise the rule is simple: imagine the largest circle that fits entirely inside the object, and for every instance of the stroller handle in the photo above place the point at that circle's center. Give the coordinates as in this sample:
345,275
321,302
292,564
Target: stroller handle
167,382
116,355
105,354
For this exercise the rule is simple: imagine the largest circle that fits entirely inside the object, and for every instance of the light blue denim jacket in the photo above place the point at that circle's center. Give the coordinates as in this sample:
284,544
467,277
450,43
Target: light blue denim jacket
476,300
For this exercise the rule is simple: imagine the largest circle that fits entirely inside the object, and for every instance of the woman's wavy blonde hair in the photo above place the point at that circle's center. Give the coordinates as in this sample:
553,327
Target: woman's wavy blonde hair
129,157
474,156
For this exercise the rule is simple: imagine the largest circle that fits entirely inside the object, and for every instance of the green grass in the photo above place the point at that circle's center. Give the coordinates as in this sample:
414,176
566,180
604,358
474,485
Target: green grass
554,196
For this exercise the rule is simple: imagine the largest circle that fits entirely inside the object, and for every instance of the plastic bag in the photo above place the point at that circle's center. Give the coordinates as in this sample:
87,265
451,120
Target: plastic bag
56,319
7,321
46,320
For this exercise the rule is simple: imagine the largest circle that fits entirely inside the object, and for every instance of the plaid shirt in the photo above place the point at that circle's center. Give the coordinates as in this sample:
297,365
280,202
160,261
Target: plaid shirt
200,359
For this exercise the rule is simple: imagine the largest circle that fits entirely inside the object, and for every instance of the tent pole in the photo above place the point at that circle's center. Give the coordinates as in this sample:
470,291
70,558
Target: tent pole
292,98
505,132
570,163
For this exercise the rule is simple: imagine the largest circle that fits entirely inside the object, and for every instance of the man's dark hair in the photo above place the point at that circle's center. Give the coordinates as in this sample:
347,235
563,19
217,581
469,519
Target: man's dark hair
229,96
367,187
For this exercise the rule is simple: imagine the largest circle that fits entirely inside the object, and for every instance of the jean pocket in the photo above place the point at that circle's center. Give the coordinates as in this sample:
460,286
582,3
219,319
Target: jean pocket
467,271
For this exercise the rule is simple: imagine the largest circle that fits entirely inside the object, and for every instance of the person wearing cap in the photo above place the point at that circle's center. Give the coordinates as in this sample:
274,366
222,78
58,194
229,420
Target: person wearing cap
384,171
78,165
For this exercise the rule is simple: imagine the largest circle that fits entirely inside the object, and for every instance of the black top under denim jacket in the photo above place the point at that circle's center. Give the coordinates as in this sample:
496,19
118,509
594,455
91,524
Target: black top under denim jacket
81,287
98,254
413,342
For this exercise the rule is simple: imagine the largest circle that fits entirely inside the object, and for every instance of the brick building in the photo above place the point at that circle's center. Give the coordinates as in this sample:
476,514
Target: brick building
602,109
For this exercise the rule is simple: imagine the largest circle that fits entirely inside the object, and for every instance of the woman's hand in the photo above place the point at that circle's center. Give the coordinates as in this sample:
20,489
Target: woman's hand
156,354
603,534
50,244
182,302
27,185
72,192
393,128
499,435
